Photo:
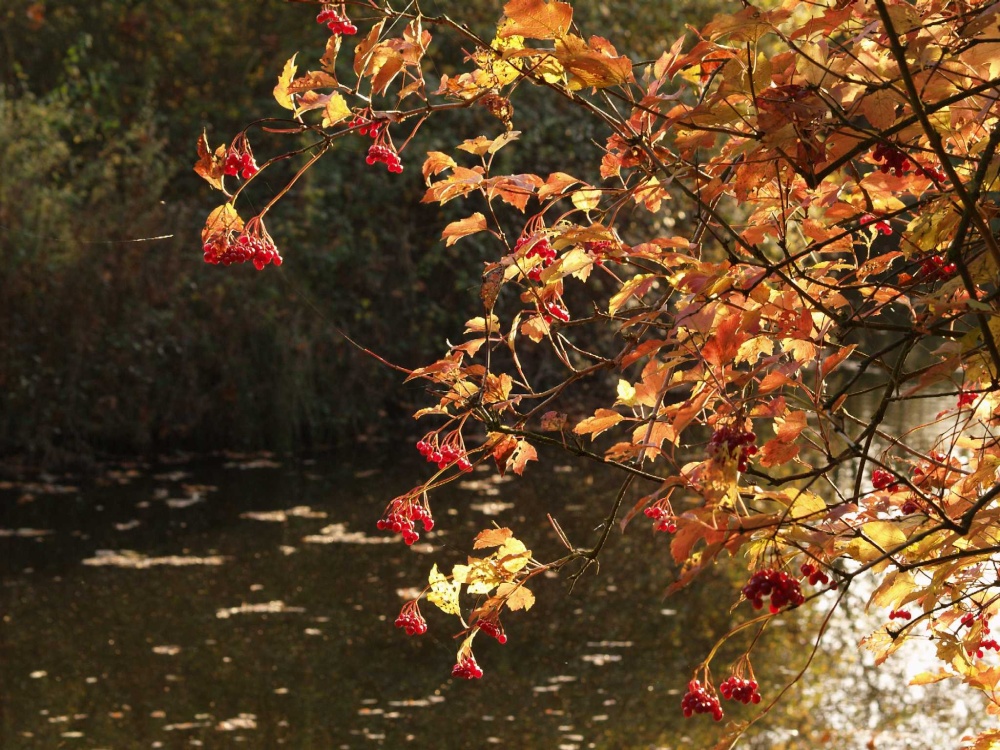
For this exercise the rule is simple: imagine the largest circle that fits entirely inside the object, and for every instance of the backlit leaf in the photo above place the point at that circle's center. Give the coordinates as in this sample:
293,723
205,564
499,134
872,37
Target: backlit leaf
443,593
281,93
463,228
536,19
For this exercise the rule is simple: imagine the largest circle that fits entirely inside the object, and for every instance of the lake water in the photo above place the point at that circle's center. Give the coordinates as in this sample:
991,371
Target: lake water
248,601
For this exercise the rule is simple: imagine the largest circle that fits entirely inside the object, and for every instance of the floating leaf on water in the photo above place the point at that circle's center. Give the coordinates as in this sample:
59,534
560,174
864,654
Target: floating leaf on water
338,533
167,650
263,607
130,559
243,721
25,533
280,516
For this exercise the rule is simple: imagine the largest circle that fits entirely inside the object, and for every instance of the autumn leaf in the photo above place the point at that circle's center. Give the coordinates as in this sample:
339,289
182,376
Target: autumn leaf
443,593
592,65
516,595
336,109
210,165
523,453
479,576
463,228
603,419
513,555
492,538
536,19
281,90
222,221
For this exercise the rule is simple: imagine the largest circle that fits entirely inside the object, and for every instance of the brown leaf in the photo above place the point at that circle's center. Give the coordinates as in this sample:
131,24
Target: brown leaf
518,597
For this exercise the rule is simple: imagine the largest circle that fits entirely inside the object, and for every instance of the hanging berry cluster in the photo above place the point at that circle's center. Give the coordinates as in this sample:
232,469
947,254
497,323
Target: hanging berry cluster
240,161
740,689
555,311
538,247
598,249
400,517
663,518
884,480
700,699
444,456
733,442
493,629
365,126
252,244
467,668
936,268
881,225
966,398
815,576
410,619
379,152
783,589
893,160
337,21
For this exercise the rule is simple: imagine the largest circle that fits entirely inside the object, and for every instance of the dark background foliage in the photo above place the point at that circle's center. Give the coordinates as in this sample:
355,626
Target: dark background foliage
115,340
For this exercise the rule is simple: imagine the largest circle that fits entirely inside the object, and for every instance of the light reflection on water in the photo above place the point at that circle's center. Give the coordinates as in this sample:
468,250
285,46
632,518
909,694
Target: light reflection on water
262,615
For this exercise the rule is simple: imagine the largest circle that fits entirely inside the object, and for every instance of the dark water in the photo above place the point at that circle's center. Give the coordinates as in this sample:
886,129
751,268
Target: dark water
160,608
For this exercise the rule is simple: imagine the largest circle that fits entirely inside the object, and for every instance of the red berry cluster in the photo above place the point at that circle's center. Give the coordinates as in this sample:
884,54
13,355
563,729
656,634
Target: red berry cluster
467,668
386,155
411,620
663,519
252,244
740,689
733,443
372,128
400,516
240,161
816,576
881,225
892,160
553,310
884,480
444,456
936,268
599,249
493,629
337,22
968,620
777,584
909,507
988,644
700,700
537,247
899,614
930,173
966,398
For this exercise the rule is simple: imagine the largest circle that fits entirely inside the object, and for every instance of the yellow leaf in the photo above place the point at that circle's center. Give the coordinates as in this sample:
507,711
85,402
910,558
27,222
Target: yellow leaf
596,65
284,81
586,199
637,286
336,109
463,228
443,593
222,220
929,678
536,19
754,348
480,576
492,538
513,555
626,393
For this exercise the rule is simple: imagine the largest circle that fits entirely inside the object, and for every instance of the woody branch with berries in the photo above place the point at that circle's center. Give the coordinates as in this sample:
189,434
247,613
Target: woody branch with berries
801,382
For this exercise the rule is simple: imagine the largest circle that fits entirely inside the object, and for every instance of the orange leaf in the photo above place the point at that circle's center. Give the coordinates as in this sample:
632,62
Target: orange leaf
536,19
210,166
603,419
492,538
835,359
523,452
463,228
